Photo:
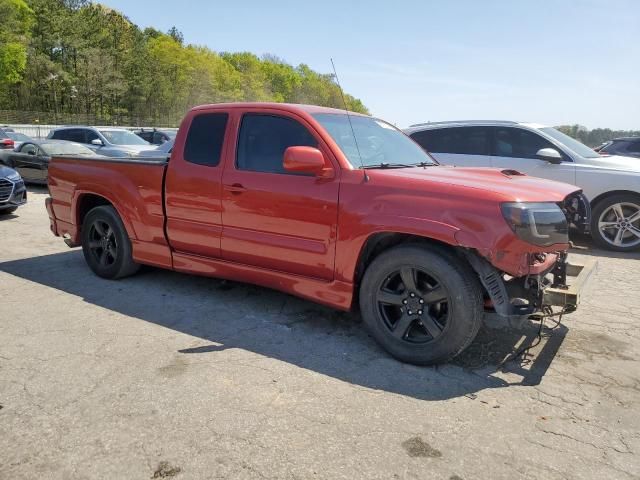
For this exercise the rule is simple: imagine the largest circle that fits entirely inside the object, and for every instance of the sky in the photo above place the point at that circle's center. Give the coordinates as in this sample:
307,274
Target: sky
547,61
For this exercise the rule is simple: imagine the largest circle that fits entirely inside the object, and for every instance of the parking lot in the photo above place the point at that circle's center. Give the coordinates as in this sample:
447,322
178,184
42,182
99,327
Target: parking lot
164,375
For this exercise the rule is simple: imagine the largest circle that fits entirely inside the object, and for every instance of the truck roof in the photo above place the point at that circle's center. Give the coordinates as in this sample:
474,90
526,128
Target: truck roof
292,107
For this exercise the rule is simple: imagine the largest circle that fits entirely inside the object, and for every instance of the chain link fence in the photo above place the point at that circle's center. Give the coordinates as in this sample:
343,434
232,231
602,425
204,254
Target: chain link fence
38,124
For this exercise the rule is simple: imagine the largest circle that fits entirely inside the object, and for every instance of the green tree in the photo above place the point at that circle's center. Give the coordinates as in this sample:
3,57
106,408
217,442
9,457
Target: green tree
16,20
76,57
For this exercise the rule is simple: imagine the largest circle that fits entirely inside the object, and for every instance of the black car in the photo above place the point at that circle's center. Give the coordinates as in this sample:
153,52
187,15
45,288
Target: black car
31,159
155,136
13,193
624,146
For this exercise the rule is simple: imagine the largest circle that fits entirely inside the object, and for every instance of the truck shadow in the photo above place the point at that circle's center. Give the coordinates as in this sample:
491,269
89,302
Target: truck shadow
225,315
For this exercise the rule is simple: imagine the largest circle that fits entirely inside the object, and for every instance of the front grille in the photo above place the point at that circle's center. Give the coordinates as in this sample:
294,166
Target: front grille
6,189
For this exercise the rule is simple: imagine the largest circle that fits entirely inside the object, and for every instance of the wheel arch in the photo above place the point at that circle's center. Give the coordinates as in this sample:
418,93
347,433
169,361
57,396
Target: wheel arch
611,193
87,201
379,242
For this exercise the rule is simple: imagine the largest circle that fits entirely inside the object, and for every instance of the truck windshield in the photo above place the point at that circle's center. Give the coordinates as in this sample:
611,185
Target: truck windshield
378,142
123,137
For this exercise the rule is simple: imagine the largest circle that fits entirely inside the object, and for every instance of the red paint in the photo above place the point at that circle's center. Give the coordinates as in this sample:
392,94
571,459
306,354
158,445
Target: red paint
299,234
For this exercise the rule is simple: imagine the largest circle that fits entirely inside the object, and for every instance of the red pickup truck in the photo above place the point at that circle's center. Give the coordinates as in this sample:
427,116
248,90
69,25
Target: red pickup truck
344,210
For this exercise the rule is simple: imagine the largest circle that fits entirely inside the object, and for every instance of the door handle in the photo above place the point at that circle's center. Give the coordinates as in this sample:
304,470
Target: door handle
236,188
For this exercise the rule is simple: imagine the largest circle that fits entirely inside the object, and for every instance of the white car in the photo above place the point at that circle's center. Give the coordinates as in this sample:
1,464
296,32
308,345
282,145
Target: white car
612,184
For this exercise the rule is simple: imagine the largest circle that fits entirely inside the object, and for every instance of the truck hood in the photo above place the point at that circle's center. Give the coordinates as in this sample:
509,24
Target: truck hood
507,185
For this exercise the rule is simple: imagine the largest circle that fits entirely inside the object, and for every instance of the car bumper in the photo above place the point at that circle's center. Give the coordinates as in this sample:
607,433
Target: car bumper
59,228
17,197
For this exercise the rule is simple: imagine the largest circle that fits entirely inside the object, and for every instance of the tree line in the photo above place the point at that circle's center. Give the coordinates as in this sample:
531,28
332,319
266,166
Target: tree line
66,57
597,136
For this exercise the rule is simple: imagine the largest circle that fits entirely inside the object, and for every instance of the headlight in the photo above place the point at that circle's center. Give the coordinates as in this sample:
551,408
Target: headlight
541,224
14,177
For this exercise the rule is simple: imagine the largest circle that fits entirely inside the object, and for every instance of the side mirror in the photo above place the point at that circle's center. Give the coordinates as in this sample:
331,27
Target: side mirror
97,142
31,152
306,160
550,155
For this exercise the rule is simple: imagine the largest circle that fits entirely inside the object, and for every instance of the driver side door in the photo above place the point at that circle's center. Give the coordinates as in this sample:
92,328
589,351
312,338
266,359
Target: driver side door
273,218
516,148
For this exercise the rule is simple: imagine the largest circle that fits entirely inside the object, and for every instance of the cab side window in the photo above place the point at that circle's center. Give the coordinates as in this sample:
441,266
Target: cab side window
518,143
263,140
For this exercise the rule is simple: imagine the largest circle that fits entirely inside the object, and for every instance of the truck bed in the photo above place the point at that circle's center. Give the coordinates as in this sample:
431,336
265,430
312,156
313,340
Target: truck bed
135,185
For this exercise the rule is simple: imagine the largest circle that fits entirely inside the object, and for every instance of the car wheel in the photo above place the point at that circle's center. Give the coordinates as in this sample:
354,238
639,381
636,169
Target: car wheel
7,211
615,223
106,245
421,304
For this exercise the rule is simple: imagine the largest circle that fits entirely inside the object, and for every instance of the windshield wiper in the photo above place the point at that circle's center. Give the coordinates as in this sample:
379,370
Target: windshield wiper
425,164
387,165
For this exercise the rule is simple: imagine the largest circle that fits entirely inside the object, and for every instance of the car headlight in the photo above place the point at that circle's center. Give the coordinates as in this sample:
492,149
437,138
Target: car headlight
541,223
14,177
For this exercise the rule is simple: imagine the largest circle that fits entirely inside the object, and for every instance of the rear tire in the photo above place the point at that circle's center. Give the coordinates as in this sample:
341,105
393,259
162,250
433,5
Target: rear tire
106,245
615,223
421,304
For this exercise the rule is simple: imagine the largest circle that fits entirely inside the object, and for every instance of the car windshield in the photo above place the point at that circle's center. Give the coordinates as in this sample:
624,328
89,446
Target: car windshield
571,143
378,142
123,137
65,148
19,137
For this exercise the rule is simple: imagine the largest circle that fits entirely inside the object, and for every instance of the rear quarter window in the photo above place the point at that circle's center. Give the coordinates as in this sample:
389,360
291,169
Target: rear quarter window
205,139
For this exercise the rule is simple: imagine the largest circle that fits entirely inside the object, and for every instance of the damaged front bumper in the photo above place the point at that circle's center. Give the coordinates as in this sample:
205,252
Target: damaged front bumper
569,283
551,282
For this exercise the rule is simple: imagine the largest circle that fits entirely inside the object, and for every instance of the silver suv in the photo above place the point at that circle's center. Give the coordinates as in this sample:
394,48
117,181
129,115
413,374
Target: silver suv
612,184
108,141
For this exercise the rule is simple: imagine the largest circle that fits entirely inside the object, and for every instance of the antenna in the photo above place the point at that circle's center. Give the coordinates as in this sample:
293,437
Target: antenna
353,132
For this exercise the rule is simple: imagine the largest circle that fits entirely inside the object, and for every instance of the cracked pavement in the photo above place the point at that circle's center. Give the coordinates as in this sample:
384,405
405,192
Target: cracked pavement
164,375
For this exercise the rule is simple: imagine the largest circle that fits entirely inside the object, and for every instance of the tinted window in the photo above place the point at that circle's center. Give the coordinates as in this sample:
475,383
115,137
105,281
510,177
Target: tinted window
148,136
205,139
159,138
91,135
71,134
634,147
263,140
518,143
459,140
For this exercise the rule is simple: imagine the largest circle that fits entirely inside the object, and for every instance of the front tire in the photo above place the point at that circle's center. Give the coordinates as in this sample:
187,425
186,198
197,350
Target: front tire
7,211
615,223
421,304
106,245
